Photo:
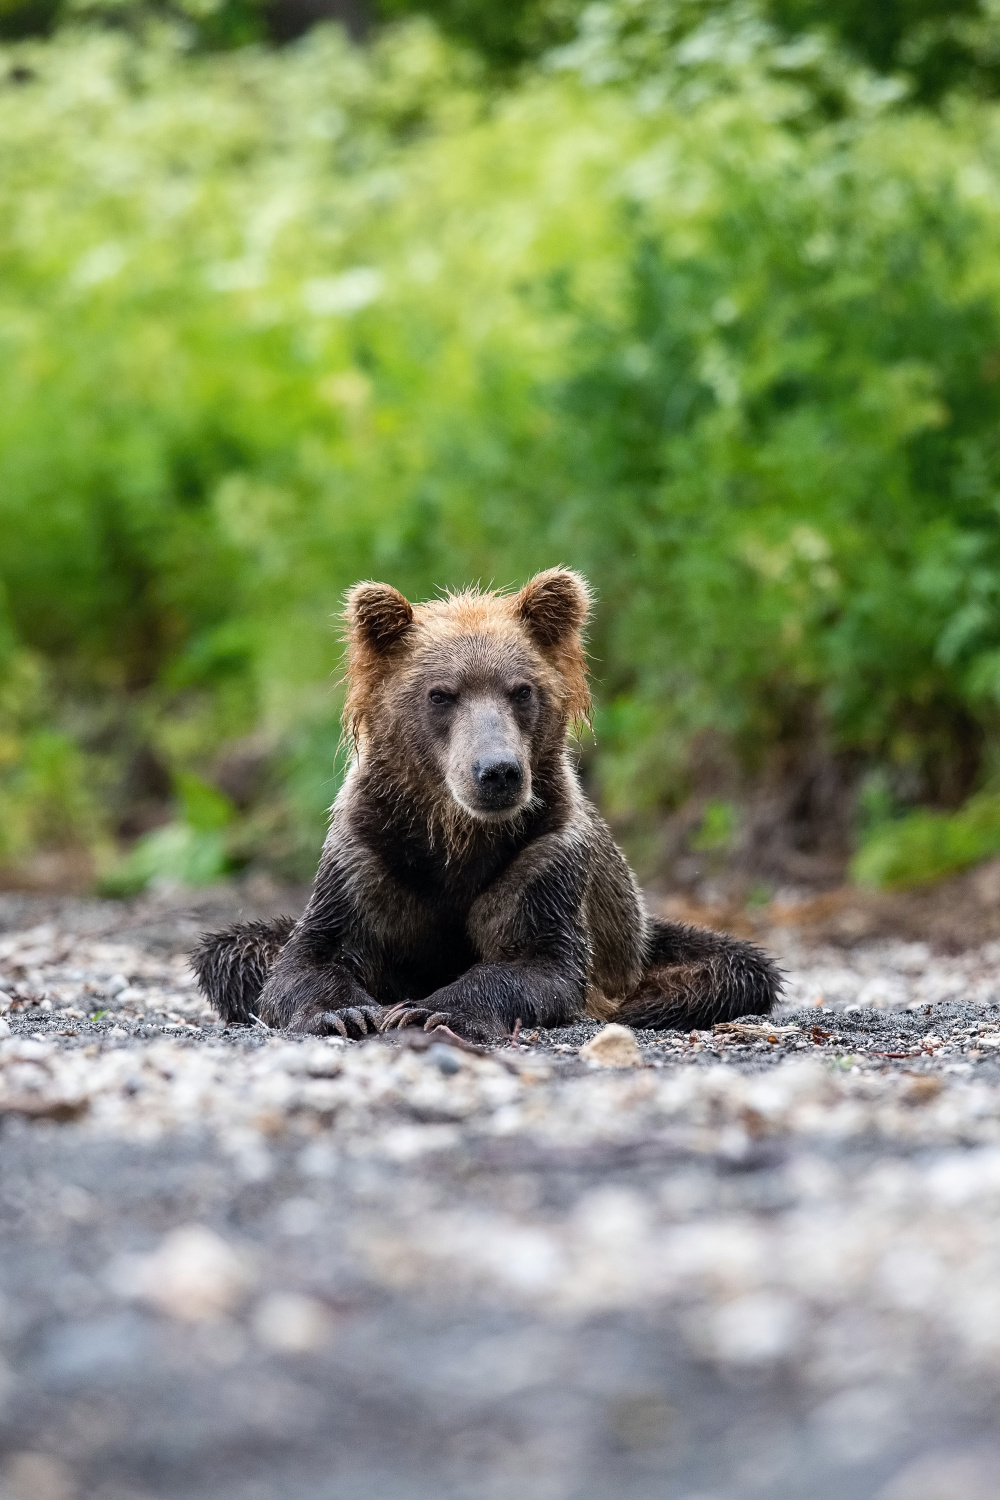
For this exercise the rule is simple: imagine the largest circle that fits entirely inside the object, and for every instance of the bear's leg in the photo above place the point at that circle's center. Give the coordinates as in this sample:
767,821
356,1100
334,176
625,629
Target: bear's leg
232,966
310,990
694,978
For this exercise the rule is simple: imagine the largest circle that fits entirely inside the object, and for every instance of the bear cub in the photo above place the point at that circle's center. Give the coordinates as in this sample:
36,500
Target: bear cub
466,881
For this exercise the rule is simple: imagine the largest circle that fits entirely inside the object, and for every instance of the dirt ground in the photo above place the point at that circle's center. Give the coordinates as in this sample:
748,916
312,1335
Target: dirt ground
760,1263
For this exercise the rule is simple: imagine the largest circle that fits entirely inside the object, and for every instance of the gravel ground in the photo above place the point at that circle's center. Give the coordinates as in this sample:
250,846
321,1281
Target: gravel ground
761,1263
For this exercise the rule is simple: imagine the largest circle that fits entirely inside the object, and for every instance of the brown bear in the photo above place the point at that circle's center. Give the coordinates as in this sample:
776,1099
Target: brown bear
466,881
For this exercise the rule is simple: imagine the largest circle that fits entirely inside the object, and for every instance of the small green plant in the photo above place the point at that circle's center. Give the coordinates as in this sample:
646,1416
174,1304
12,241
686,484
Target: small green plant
924,845
876,804
192,851
175,855
716,830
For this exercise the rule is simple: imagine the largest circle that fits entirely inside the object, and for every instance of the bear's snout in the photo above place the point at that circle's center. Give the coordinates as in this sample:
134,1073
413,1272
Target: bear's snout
498,779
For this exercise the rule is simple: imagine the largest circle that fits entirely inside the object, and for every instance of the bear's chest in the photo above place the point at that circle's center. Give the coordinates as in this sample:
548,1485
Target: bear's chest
411,908
411,927
418,948
415,887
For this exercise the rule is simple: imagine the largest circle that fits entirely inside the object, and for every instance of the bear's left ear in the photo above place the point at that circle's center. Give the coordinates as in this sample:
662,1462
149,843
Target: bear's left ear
377,615
554,605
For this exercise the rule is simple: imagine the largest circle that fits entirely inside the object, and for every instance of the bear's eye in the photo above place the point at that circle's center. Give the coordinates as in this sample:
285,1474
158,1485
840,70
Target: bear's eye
439,697
521,694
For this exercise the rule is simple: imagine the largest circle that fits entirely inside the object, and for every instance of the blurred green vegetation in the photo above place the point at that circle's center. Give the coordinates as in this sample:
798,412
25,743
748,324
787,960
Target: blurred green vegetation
925,845
700,302
190,850
936,45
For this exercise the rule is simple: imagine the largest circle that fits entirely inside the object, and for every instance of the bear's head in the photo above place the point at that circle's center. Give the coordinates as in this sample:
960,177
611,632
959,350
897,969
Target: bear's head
467,699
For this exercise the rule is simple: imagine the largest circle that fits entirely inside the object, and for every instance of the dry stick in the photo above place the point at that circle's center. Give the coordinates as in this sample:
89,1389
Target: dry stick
455,1040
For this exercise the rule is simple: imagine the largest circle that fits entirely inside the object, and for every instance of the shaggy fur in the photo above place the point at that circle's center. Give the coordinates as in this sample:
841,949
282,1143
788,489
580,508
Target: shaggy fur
466,880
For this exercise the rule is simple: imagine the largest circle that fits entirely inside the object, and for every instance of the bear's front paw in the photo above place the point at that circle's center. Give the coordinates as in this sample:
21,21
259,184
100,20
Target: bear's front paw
451,1021
351,1021
400,1016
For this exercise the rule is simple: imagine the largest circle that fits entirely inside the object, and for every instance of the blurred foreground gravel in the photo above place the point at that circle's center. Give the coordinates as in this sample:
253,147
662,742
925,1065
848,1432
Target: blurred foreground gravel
761,1262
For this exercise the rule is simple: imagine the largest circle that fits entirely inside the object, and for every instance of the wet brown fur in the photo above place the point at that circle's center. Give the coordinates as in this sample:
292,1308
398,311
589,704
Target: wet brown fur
429,907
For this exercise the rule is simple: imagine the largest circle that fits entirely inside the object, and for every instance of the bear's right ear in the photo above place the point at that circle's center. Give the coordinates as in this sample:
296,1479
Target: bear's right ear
377,616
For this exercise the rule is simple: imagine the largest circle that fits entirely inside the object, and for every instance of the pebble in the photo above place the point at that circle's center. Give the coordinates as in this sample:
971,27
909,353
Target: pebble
290,1323
444,1058
37,1476
755,1330
194,1275
614,1046
955,1475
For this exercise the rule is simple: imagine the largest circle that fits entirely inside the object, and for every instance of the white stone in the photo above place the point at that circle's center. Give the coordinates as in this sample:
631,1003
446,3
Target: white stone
289,1323
756,1329
37,1476
947,1476
299,1216
614,1046
194,1275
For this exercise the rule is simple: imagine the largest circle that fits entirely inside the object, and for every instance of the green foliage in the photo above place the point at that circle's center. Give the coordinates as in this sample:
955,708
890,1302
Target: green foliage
205,24
204,808
46,789
505,35
192,851
938,44
717,827
44,799
925,845
176,855
712,317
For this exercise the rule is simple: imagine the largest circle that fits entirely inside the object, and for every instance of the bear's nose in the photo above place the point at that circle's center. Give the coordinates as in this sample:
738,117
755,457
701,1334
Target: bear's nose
498,777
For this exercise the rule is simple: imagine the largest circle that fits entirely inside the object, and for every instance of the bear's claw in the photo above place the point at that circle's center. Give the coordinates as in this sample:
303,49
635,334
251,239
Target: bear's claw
352,1022
404,1015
